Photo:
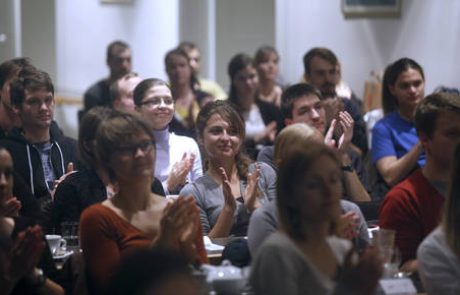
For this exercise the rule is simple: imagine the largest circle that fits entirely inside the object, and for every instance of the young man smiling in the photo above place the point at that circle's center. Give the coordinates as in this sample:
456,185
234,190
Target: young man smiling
41,154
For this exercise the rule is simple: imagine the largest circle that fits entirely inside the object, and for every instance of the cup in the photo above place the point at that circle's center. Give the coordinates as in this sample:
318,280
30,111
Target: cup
70,232
56,243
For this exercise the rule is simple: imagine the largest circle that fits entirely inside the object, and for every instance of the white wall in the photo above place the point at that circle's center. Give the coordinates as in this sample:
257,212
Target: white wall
86,27
428,31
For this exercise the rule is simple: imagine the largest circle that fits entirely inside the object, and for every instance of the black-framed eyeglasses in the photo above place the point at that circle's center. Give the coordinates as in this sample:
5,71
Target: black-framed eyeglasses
131,150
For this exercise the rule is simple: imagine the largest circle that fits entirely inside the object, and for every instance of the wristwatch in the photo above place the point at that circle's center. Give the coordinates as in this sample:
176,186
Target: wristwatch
347,168
37,278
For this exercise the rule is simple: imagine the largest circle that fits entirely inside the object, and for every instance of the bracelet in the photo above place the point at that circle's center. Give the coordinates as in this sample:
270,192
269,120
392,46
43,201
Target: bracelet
347,168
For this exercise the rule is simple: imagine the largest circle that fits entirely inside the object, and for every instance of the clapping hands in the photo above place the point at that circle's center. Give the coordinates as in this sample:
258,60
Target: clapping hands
178,175
346,123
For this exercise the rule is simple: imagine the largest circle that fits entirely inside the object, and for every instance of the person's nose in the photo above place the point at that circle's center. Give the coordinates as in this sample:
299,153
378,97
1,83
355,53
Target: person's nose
225,136
3,179
315,114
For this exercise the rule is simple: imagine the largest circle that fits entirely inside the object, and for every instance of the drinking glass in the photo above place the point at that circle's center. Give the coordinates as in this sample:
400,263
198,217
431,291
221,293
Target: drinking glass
70,232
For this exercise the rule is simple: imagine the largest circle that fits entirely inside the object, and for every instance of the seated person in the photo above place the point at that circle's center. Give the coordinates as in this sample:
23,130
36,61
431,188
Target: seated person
302,257
439,254
134,218
261,119
413,207
232,187
121,92
396,149
266,60
26,265
205,85
119,62
302,103
178,158
187,98
89,185
264,221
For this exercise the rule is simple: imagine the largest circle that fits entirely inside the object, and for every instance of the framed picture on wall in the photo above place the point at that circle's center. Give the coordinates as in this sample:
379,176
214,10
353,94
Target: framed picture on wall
117,1
371,8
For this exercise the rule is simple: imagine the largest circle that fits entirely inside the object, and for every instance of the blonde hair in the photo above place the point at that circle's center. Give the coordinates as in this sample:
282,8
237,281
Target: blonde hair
294,136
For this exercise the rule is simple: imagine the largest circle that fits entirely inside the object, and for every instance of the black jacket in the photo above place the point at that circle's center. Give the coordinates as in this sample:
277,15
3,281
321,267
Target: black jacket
27,161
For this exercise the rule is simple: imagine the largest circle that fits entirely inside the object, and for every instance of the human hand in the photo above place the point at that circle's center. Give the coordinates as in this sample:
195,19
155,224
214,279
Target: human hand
178,223
26,252
252,190
362,276
11,207
178,175
347,225
230,202
268,133
346,123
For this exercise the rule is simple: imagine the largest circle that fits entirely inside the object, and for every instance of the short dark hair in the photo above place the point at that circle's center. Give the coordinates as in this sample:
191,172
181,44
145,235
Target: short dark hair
187,46
321,52
116,47
294,92
29,79
12,67
431,107
143,87
391,74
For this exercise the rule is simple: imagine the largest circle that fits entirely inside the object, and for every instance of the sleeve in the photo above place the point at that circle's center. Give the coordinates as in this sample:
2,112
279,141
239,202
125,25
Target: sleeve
267,183
266,156
382,144
269,280
191,190
261,225
99,246
29,205
197,169
65,206
397,213
157,187
435,269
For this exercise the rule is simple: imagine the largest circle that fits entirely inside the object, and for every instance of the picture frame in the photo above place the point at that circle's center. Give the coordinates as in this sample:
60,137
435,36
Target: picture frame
371,8
117,1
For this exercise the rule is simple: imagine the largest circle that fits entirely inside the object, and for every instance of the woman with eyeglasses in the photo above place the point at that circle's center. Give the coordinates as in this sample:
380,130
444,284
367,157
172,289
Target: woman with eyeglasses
178,158
134,218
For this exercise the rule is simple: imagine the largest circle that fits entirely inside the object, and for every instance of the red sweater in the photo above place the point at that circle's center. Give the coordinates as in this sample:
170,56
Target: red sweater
105,238
413,209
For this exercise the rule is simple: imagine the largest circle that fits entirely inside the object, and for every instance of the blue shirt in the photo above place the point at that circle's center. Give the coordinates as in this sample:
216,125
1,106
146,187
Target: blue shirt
394,136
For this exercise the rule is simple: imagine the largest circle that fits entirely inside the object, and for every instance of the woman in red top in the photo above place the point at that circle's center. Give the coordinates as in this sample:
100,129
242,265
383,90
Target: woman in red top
134,218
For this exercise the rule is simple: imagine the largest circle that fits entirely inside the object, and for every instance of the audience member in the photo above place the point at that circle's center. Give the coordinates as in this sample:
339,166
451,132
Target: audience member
119,62
396,148
26,263
121,92
232,187
41,153
322,70
302,257
412,207
206,85
266,60
264,221
133,218
178,158
188,100
302,103
439,253
158,272
261,118
9,70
